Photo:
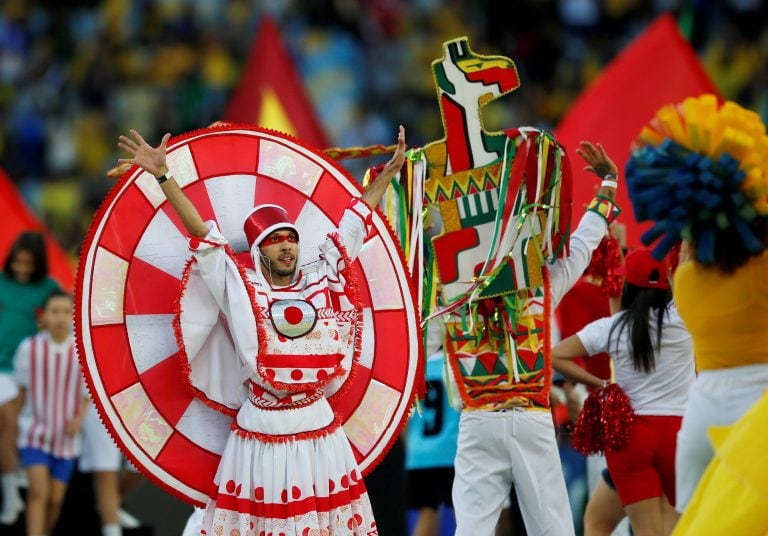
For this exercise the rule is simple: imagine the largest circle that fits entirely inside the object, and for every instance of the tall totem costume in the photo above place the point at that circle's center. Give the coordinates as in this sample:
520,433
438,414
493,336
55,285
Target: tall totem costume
221,388
502,203
492,213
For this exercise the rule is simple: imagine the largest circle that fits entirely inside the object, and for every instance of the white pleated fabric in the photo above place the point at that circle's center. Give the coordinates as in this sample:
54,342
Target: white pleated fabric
298,486
287,467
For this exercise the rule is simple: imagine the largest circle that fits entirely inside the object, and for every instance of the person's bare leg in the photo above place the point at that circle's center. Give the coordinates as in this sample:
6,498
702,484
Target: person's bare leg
504,526
669,516
130,480
106,484
56,494
37,499
604,512
9,413
8,433
645,517
427,524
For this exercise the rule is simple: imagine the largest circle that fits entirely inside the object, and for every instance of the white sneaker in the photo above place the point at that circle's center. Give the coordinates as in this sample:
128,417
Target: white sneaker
127,521
21,479
11,512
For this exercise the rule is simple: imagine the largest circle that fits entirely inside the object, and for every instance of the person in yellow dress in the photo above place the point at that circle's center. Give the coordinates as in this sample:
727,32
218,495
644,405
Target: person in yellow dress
699,170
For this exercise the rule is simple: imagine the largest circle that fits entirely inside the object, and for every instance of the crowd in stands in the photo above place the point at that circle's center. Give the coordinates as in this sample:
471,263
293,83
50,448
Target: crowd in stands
74,74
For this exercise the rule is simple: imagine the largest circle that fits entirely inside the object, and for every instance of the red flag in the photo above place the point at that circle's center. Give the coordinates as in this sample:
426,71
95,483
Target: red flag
17,218
270,93
659,67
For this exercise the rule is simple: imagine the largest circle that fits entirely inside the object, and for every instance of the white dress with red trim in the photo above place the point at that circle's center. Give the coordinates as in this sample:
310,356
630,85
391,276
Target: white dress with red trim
269,354
133,264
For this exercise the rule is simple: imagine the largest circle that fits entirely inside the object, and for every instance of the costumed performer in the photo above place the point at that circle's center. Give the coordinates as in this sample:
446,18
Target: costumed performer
512,441
699,170
287,467
597,294
652,358
732,496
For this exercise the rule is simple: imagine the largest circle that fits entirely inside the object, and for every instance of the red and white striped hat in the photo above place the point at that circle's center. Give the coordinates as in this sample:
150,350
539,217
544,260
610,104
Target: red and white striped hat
263,220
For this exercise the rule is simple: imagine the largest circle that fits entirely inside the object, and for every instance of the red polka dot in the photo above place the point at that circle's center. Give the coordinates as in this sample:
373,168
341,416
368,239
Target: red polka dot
284,495
270,374
281,338
305,532
297,375
251,527
354,475
238,489
331,485
194,243
358,519
258,493
351,523
321,375
295,493
344,481
293,315
230,487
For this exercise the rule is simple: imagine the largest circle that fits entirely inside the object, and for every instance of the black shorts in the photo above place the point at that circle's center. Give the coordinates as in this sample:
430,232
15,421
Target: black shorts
429,488
608,479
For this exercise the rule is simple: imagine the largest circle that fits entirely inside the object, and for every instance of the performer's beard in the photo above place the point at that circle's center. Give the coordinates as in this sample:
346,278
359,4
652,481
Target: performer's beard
275,269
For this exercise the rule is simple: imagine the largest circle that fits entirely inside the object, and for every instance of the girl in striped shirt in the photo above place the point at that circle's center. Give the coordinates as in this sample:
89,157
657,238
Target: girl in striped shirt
50,379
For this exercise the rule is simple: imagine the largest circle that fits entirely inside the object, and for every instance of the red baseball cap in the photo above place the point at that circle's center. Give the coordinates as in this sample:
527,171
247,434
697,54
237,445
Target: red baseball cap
642,270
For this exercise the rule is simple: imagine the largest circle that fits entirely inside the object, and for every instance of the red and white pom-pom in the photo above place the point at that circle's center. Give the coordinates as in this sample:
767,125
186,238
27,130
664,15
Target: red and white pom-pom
605,421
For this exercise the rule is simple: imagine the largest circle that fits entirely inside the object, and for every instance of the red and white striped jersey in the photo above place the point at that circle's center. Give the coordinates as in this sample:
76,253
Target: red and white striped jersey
51,375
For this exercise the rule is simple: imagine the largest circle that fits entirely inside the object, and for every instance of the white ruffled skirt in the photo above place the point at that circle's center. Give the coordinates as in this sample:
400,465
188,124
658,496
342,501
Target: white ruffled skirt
289,472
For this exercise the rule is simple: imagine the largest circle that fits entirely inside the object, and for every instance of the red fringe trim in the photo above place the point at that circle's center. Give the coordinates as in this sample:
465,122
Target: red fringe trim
186,368
352,290
269,438
545,402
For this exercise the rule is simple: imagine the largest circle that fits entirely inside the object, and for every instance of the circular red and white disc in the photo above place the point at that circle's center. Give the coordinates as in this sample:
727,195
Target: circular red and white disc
129,281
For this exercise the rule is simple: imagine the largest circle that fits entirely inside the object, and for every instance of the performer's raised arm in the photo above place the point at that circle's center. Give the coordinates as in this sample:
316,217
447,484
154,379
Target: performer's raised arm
376,189
600,213
152,160
599,163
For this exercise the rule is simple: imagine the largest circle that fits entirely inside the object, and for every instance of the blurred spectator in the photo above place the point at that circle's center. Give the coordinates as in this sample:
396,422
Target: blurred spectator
75,74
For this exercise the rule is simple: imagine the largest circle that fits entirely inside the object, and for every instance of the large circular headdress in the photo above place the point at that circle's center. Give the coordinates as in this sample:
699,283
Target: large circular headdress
698,168
129,279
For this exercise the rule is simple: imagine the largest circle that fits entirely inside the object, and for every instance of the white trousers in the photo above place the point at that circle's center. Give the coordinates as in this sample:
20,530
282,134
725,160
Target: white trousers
498,449
716,398
100,453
